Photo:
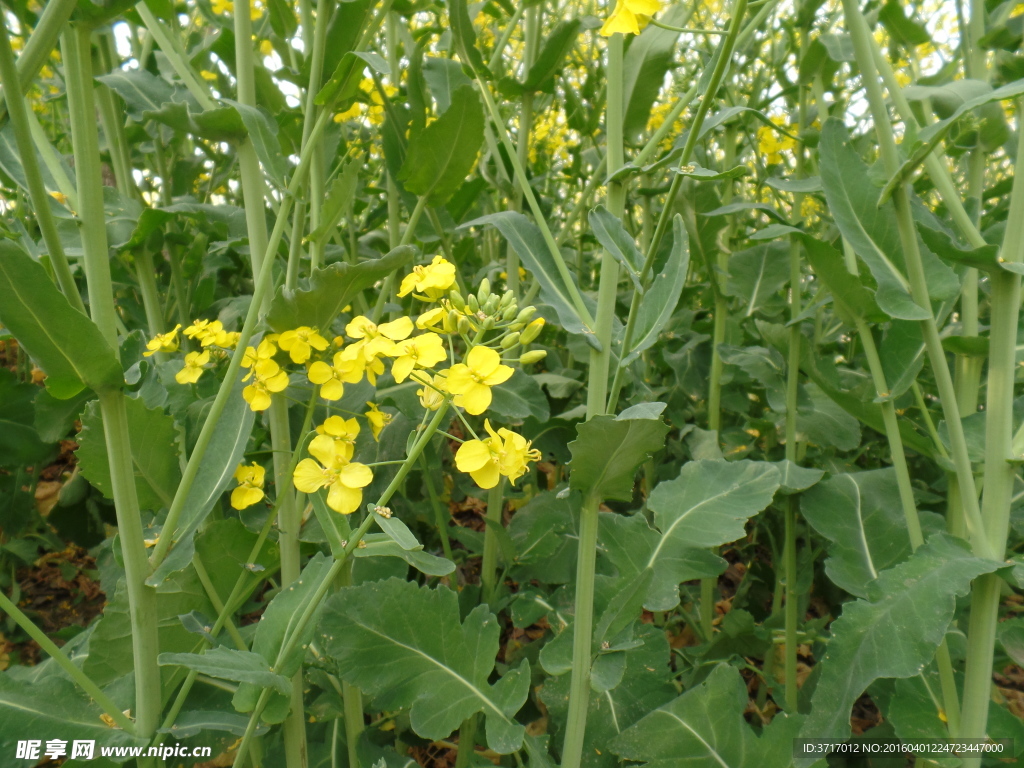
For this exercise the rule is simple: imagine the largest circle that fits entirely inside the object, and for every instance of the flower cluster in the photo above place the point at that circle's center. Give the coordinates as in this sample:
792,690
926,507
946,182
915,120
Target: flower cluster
630,16
771,143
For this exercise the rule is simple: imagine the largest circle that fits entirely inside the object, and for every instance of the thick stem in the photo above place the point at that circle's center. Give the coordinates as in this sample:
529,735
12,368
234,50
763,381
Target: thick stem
489,564
141,599
39,46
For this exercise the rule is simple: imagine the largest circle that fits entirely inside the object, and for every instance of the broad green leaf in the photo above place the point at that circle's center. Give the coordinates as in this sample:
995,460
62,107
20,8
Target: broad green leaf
396,530
645,685
441,155
67,345
894,633
280,616
20,444
519,398
793,478
929,137
527,241
50,709
154,445
408,642
110,646
872,230
141,91
192,722
706,506
705,728
859,513
444,77
331,289
985,258
824,422
55,418
223,455
850,297
618,242
344,81
218,124
763,364
230,664
757,274
464,36
902,353
263,134
607,452
556,46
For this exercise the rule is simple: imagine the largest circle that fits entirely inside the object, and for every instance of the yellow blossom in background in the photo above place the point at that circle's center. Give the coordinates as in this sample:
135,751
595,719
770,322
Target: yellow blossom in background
250,485
424,351
503,453
630,16
431,281
61,198
343,479
771,143
220,7
810,209
194,362
349,114
207,75
471,381
378,419
431,397
336,434
163,342
205,331
374,341
332,378
300,343
267,377
266,48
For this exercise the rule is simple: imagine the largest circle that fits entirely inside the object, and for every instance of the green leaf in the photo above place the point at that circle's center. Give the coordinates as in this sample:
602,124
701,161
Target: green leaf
407,642
141,91
763,364
556,46
193,722
464,36
706,506
607,452
985,258
520,398
894,633
381,545
396,530
223,455
849,296
53,708
67,345
344,81
217,124
278,619
527,241
860,515
662,297
645,64
444,77
757,274
154,444
618,242
331,289
263,134
825,422
20,445
441,155
929,137
872,230
793,478
705,727
55,418
230,664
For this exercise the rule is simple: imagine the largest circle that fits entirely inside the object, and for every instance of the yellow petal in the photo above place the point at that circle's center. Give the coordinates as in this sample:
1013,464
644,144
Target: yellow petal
308,476
487,476
477,399
643,7
396,330
621,21
322,446
256,397
244,496
320,373
472,455
332,390
460,379
498,375
402,368
344,499
483,360
356,475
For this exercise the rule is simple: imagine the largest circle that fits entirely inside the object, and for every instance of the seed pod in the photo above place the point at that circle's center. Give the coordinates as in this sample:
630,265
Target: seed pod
464,327
525,314
532,331
473,304
533,356
456,299
510,341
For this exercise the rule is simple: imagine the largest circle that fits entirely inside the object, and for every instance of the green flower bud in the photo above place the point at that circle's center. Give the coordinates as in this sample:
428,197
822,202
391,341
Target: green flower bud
526,314
510,312
451,322
510,341
487,324
473,304
491,305
533,356
464,327
508,299
485,290
456,299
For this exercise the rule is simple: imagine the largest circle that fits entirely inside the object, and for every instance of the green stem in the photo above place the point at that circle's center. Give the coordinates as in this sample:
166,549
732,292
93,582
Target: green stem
176,57
33,176
467,742
39,46
999,472
439,515
76,674
75,45
489,565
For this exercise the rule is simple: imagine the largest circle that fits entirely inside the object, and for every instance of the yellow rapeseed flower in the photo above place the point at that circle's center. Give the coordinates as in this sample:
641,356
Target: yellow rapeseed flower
300,343
194,362
220,7
431,397
503,453
771,143
471,381
378,419
267,377
430,281
338,435
424,351
163,342
250,485
343,479
630,16
332,378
